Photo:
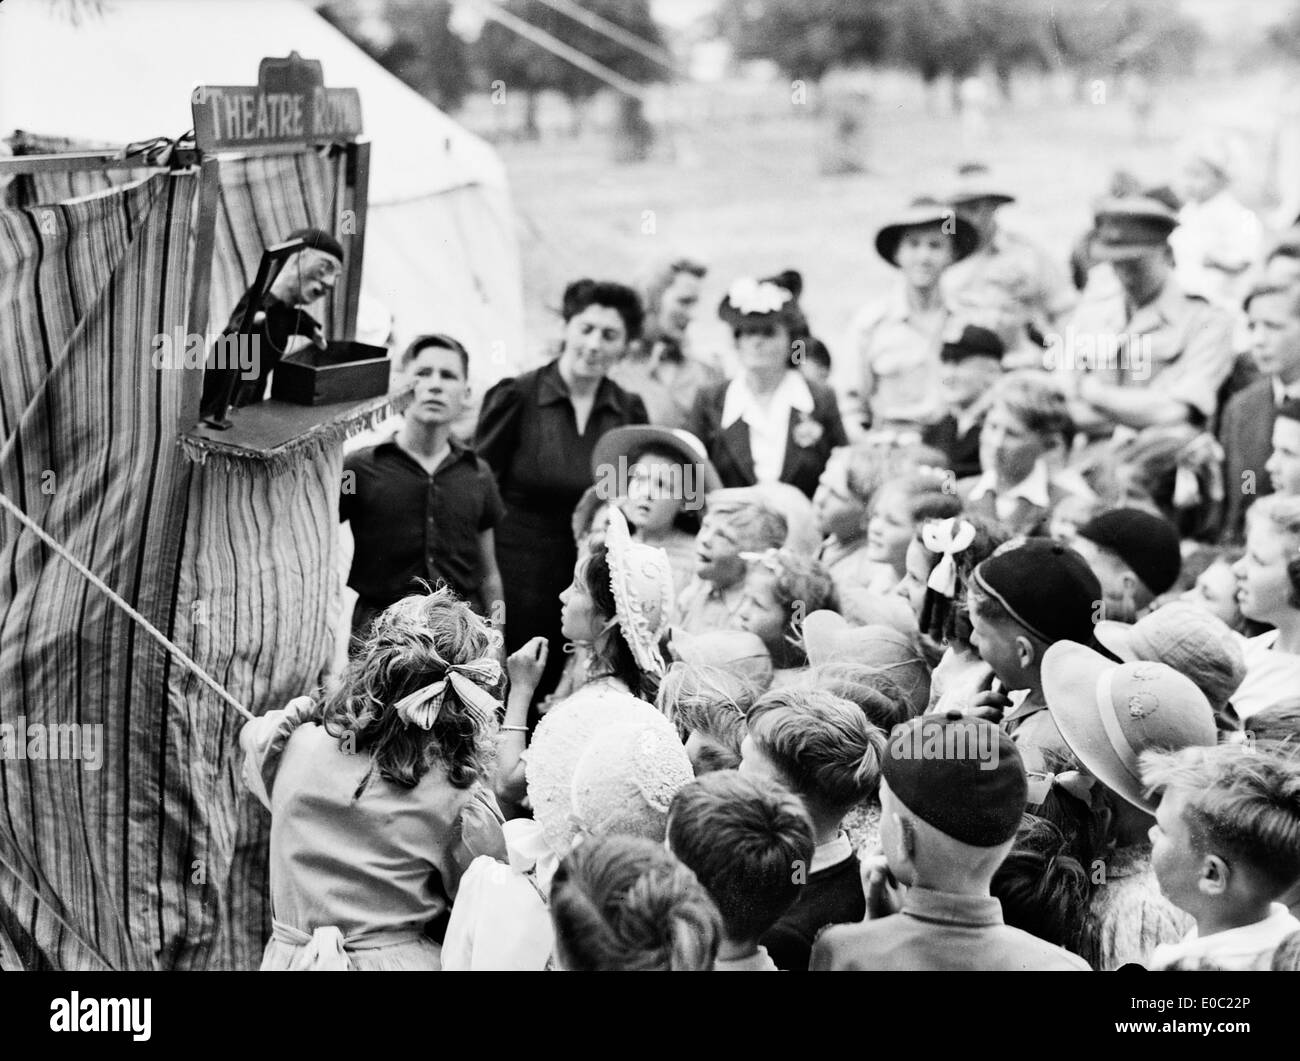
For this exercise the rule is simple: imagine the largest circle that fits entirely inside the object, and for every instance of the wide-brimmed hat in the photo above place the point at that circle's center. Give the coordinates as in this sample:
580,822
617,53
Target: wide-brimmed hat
829,638
1109,713
641,578
926,211
1130,227
1187,638
635,438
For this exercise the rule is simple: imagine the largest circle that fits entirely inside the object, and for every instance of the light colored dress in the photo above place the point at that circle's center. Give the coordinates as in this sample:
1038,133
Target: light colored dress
354,880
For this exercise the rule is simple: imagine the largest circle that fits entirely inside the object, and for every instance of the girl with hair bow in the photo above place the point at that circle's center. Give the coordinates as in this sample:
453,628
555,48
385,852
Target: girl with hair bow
376,793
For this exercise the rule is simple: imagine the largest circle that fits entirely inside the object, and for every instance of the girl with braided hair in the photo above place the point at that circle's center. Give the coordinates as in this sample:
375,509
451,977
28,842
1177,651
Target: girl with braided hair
376,794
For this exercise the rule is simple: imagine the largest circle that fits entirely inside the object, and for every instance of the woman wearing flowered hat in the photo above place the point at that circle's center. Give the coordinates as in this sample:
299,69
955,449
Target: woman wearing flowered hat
769,424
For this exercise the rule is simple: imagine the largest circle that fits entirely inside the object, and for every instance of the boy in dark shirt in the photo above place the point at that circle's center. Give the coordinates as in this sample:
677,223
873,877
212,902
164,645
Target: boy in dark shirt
825,751
421,504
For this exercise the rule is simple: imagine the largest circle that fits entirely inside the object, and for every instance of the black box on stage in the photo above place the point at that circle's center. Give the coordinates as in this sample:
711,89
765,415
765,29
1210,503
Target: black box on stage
342,372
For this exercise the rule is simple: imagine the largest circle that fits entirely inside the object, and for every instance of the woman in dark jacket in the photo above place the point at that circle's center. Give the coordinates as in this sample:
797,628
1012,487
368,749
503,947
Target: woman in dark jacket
769,424
537,431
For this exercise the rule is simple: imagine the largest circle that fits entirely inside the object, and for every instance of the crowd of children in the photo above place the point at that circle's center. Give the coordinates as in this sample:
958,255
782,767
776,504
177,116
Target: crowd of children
989,658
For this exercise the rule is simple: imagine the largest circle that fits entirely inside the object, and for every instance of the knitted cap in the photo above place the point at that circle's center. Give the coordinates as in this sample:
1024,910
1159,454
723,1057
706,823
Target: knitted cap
318,240
1147,543
961,775
1047,587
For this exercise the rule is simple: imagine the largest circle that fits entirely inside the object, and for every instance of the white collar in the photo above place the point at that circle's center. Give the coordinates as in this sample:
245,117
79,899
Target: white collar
1033,488
831,853
1283,392
740,402
1240,942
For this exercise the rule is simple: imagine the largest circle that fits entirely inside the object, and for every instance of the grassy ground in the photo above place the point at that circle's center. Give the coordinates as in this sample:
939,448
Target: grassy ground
748,197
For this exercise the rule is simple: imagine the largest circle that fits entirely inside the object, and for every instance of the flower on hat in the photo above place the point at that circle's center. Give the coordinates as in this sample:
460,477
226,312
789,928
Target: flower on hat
750,296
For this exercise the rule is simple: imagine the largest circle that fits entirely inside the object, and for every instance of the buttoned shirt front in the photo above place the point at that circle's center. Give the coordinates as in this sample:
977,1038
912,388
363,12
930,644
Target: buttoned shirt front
1180,346
411,524
893,368
768,421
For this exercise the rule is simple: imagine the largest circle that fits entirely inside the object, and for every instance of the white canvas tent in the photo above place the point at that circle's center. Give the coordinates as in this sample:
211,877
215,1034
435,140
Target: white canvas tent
441,252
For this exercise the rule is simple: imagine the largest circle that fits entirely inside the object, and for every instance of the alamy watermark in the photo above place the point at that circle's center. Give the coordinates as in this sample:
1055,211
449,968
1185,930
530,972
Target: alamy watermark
1129,352
179,350
55,740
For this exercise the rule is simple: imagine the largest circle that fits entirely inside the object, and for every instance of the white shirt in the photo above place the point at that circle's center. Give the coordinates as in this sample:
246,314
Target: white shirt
1033,488
769,424
1249,948
1270,675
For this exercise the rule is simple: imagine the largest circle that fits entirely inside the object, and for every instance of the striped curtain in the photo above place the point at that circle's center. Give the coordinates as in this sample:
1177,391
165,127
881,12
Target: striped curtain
87,449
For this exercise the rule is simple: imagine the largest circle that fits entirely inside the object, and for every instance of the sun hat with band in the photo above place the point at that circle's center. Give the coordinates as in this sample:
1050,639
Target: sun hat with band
1187,638
641,579
1131,226
1110,713
926,213
637,438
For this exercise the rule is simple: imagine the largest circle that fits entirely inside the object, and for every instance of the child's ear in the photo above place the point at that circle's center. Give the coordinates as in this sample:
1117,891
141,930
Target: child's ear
1215,875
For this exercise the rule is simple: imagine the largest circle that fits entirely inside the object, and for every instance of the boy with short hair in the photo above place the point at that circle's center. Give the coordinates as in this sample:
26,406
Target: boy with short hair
1026,429
1135,555
734,523
1022,600
422,505
745,842
947,823
972,363
825,751
1225,848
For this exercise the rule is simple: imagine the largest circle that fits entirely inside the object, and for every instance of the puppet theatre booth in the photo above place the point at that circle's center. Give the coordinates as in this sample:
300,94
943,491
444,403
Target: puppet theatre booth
161,578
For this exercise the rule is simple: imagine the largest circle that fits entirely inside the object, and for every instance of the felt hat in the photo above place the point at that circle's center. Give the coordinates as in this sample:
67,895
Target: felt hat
1130,227
925,212
829,638
971,341
1110,713
635,438
963,776
641,579
1147,543
1187,638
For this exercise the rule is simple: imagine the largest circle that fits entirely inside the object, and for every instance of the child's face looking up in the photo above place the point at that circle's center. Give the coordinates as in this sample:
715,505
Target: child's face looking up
717,552
760,612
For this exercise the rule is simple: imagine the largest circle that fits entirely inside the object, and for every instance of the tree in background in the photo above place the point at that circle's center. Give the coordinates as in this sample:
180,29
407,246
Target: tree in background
410,39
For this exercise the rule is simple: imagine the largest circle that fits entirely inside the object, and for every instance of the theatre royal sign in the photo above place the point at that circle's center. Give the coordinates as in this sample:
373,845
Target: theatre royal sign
289,105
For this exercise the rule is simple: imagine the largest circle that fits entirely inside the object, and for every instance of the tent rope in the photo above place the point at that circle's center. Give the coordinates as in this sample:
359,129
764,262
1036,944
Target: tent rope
170,647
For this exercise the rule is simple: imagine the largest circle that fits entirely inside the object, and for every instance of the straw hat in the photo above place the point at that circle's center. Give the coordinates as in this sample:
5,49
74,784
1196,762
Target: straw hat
1110,713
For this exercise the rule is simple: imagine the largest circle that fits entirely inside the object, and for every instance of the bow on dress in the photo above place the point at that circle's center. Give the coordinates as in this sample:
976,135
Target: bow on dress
466,680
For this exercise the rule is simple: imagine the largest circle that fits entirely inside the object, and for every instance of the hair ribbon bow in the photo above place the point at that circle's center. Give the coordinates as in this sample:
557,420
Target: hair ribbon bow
422,707
948,537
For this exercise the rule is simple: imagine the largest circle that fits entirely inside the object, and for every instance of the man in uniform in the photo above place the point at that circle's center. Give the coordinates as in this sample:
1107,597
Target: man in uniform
1146,354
